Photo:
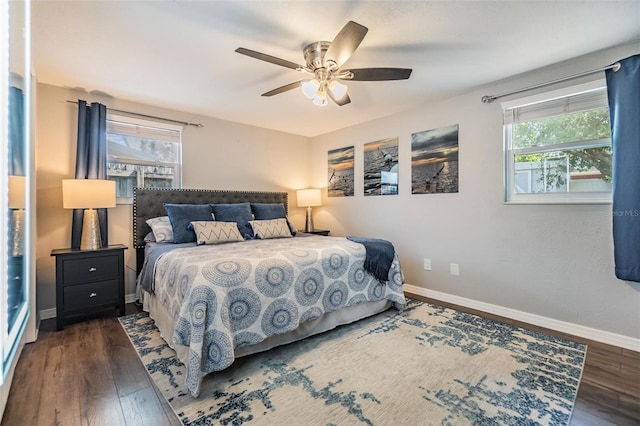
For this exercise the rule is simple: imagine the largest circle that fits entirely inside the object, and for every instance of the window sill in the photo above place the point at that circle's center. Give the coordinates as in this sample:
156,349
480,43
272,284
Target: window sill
546,200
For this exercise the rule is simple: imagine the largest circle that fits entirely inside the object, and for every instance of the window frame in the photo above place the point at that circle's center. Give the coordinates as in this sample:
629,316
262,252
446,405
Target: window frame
127,120
509,154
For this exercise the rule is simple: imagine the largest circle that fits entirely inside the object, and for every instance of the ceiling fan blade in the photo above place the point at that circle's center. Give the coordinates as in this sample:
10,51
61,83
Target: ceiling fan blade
340,102
345,43
284,88
268,58
379,74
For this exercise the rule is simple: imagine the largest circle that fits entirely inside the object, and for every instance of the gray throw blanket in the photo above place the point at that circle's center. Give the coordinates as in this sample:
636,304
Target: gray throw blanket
378,258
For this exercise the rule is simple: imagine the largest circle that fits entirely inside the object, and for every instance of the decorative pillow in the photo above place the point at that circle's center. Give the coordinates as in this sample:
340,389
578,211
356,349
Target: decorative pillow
273,228
239,213
149,238
209,232
181,216
267,211
161,228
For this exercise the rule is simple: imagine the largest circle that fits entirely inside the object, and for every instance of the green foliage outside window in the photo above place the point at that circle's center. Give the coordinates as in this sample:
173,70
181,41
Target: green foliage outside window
591,125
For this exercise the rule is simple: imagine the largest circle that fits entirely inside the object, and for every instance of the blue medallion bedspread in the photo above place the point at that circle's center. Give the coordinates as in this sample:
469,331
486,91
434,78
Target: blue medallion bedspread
232,295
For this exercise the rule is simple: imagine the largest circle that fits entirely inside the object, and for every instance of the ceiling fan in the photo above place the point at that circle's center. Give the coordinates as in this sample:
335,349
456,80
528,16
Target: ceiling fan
323,61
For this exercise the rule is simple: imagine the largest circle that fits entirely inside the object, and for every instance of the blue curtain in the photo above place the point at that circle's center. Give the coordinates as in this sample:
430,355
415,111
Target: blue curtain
623,88
16,132
91,161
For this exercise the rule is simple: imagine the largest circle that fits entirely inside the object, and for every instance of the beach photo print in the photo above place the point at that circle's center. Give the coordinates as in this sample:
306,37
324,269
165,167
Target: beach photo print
434,161
381,167
340,164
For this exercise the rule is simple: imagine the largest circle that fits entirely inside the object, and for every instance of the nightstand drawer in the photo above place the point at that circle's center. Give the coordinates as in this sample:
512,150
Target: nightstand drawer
90,269
84,296
88,279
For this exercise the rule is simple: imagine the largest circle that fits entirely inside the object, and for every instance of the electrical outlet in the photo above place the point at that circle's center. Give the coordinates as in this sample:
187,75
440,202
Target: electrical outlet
427,264
454,269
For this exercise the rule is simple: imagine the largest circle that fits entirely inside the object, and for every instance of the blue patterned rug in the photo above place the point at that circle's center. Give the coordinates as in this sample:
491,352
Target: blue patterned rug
425,365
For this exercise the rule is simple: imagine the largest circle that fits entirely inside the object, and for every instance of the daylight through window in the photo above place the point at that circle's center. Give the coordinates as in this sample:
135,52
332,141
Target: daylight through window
142,153
558,150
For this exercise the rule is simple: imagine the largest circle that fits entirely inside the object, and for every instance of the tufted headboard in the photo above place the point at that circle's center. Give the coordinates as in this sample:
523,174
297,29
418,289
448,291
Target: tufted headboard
148,203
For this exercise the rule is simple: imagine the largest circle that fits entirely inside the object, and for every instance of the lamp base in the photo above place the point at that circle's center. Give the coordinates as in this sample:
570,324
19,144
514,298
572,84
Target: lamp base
309,225
17,232
90,231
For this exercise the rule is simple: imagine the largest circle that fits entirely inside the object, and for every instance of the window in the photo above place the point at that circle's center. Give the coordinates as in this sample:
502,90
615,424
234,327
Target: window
558,147
142,154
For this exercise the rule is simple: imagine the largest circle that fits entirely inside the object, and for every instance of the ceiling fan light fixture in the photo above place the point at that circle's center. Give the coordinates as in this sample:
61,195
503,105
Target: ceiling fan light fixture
310,88
324,61
338,89
320,99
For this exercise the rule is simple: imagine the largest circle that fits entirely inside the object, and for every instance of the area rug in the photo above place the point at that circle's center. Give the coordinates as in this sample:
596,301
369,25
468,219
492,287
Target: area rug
425,365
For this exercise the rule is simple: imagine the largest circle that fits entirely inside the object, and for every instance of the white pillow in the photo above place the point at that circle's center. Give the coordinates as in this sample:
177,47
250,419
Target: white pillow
161,228
211,232
273,228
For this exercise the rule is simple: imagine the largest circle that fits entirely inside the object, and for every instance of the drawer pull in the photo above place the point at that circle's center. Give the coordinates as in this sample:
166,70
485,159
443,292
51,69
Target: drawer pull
17,277
93,295
93,269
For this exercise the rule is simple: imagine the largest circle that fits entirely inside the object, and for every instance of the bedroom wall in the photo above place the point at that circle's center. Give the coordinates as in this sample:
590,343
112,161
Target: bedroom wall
554,261
222,155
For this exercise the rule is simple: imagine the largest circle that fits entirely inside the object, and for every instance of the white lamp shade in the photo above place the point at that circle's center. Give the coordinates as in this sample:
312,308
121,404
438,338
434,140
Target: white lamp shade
310,88
320,99
338,89
17,192
309,198
88,193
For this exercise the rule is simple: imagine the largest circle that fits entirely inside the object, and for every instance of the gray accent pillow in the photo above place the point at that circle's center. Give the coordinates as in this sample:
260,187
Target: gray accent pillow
272,228
267,211
211,232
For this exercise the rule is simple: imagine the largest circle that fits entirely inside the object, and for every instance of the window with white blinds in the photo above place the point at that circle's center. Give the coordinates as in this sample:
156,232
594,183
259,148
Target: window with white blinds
142,153
558,147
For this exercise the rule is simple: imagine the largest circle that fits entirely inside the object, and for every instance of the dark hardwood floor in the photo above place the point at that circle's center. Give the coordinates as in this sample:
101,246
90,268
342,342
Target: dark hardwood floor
86,374
89,374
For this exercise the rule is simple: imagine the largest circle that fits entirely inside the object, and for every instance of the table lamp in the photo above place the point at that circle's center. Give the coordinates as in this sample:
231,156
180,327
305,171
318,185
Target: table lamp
89,194
309,198
17,203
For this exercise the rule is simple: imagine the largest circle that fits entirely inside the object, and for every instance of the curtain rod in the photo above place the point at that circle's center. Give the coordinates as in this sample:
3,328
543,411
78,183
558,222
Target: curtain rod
185,123
488,99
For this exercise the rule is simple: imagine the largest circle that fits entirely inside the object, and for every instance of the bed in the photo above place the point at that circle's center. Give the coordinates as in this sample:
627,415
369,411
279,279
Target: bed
214,302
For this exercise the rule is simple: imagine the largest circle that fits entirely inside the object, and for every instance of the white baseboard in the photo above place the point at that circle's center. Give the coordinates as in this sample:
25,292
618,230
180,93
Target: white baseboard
553,324
51,313
47,313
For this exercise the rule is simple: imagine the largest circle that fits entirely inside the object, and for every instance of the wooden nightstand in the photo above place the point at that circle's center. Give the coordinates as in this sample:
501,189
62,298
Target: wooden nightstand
88,280
324,232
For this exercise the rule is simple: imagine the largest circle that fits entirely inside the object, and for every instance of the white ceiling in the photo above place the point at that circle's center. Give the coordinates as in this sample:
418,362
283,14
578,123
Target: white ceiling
180,54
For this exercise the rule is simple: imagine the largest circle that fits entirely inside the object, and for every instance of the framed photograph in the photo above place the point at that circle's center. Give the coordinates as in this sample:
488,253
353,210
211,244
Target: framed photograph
340,165
381,167
434,161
